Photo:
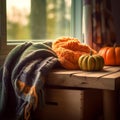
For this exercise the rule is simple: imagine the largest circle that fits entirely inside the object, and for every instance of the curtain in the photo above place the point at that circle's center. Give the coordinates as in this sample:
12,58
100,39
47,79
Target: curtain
97,23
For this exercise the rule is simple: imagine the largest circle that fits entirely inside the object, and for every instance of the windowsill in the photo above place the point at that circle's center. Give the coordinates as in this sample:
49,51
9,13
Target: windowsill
16,42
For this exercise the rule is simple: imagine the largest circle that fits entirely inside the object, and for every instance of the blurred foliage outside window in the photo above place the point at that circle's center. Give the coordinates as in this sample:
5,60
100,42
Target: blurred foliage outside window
38,19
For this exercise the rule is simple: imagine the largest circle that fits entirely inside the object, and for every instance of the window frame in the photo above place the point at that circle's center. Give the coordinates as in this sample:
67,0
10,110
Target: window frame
75,25
4,48
76,29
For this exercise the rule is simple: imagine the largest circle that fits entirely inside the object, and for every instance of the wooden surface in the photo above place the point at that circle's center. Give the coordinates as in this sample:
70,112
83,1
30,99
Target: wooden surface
61,106
108,78
71,105
100,90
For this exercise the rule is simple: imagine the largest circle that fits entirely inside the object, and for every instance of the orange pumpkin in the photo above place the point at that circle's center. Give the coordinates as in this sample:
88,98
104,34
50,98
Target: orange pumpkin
111,55
69,50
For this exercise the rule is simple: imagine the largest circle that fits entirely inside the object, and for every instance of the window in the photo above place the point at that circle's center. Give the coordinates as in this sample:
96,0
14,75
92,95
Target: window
38,19
23,20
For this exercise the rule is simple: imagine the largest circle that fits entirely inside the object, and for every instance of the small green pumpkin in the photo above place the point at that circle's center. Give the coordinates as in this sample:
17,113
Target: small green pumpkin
91,62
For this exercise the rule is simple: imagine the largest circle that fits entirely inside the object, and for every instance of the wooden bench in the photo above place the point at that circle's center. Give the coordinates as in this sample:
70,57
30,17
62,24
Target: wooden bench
106,81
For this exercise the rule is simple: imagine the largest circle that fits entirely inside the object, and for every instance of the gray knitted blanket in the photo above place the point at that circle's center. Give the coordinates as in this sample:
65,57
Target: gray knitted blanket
21,80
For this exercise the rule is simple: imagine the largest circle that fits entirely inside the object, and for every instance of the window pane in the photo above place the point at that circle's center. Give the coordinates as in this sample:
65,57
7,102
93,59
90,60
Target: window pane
38,19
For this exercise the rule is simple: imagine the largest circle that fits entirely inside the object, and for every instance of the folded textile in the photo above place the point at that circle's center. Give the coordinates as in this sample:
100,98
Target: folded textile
21,80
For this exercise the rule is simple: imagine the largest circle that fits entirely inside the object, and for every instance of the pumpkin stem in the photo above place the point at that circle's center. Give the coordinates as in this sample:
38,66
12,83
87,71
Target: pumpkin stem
114,45
91,52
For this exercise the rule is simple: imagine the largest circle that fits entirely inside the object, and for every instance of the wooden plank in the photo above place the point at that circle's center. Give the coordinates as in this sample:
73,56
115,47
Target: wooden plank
111,77
106,71
104,79
92,102
110,105
66,108
80,83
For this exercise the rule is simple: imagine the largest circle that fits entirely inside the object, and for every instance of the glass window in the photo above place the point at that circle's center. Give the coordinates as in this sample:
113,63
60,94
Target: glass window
38,19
